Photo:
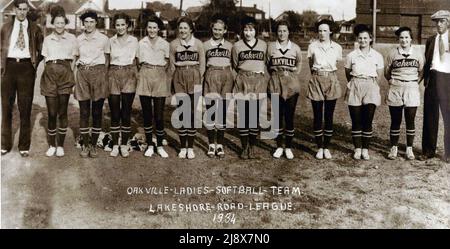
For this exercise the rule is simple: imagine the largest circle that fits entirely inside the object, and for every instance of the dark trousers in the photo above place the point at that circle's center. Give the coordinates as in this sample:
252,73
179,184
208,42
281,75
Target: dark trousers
18,79
437,95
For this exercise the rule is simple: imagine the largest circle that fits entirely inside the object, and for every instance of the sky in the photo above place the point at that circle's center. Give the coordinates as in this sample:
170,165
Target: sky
338,8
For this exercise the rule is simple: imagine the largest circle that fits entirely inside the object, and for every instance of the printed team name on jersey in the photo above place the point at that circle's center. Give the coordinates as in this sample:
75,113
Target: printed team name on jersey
405,63
186,56
283,61
251,55
218,52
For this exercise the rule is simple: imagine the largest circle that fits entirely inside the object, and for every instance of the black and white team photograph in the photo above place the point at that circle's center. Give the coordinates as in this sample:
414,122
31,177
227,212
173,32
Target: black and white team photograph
225,114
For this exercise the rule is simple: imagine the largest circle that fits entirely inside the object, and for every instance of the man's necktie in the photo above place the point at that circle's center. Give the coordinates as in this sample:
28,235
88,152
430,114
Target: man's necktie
441,48
20,43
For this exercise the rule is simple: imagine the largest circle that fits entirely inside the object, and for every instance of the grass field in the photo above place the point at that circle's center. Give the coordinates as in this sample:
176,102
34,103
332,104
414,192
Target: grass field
70,192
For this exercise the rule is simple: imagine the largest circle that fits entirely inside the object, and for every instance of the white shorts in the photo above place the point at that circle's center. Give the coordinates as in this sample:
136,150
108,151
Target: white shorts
403,94
362,91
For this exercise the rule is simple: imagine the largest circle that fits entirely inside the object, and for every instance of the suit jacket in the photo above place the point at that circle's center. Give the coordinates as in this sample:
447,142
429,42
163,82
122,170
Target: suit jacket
429,52
35,42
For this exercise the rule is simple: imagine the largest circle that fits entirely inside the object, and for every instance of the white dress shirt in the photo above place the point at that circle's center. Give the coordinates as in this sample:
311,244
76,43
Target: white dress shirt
437,64
13,51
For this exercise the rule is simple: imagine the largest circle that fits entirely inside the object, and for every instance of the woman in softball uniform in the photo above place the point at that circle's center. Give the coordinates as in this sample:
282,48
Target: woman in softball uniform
152,85
364,71
324,89
217,84
285,60
91,86
249,60
403,71
122,76
187,61
59,50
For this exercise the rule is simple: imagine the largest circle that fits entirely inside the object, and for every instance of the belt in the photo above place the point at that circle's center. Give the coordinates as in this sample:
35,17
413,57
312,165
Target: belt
58,61
146,65
250,72
121,67
187,66
219,67
323,73
88,67
19,59
406,81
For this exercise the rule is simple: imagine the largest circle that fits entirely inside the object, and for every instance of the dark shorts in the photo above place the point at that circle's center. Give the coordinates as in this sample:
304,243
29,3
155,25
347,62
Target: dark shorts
284,83
185,78
91,83
250,85
57,79
122,79
219,81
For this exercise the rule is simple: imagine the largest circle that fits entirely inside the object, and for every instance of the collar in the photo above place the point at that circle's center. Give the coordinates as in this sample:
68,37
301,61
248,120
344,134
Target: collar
215,44
360,53
248,45
147,40
24,22
402,52
94,35
115,38
444,36
53,36
321,45
288,46
191,42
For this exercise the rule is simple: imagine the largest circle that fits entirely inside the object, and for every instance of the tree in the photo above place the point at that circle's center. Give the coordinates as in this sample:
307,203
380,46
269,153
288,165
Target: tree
224,8
308,20
294,19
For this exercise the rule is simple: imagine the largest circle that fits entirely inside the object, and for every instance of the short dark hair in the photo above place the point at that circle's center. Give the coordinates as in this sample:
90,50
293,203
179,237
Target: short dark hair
89,13
331,25
186,20
404,28
282,23
58,11
122,15
219,19
18,2
155,19
362,28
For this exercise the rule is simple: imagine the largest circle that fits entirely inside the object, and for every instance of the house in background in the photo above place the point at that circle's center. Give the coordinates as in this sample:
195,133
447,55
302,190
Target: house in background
393,14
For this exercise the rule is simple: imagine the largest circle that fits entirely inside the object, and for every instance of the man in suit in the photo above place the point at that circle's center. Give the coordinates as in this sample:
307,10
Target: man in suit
437,87
21,41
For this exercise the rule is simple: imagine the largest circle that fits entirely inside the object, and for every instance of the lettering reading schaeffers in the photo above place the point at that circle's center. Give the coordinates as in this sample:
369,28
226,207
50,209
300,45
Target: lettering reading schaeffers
405,63
218,52
251,55
186,56
283,61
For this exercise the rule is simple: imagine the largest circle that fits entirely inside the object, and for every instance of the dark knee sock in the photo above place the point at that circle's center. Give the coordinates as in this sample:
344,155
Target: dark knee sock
355,114
368,112
317,125
52,110
62,116
396,120
329,114
410,116
114,106
97,118
85,112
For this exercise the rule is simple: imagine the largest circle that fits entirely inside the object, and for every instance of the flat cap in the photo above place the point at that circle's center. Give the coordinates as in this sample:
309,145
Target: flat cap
441,14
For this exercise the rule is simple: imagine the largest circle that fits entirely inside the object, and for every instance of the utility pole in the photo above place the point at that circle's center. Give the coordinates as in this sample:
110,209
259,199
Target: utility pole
374,21
270,23
181,7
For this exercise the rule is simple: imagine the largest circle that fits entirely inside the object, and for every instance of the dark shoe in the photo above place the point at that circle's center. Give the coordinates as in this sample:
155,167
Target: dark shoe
24,153
425,157
4,152
93,151
84,151
244,153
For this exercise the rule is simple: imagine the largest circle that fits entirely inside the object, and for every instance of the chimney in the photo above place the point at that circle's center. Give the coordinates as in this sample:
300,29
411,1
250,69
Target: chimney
254,6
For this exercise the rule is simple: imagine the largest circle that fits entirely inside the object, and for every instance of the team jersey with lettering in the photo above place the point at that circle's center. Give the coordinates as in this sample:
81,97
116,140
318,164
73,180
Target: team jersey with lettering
187,53
250,58
218,53
404,65
284,58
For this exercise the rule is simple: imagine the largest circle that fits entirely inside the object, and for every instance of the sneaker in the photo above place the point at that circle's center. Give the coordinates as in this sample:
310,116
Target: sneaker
278,153
357,154
327,154
93,151
84,151
393,153
183,153
219,151
211,150
365,154
51,151
115,151
190,153
124,150
410,153
319,154
161,152
164,141
24,153
149,152
59,151
244,153
289,154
